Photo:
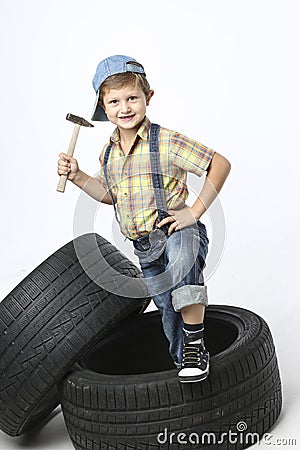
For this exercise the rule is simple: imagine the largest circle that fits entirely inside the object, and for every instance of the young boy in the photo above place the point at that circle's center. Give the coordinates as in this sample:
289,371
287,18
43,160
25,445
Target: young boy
143,172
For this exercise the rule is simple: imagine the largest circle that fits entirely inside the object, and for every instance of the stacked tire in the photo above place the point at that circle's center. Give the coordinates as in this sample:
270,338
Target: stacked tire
50,319
66,338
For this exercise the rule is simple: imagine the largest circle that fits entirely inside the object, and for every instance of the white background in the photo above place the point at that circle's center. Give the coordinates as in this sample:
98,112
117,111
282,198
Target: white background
225,72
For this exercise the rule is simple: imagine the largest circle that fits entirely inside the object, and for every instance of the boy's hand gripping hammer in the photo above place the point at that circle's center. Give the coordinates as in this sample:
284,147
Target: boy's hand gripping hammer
79,121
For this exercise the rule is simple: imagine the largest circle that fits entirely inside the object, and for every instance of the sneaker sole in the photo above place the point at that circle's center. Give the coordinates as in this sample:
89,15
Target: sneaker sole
193,379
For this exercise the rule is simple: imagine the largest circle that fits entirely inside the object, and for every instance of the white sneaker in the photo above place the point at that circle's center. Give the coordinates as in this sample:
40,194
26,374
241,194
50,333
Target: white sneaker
195,360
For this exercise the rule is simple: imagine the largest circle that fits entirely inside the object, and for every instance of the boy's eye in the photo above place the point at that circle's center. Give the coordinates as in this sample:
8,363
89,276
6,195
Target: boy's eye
113,102
133,97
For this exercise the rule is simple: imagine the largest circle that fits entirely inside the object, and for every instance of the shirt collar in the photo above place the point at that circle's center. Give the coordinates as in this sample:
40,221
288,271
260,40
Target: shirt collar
143,131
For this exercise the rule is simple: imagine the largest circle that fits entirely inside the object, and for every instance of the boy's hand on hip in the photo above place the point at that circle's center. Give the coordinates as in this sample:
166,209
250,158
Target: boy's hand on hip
179,219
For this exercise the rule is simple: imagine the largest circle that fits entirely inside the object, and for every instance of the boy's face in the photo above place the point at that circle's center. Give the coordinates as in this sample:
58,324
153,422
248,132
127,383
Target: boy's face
126,107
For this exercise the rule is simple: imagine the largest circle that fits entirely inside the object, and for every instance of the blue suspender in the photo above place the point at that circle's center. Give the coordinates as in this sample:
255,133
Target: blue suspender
157,179
106,156
156,174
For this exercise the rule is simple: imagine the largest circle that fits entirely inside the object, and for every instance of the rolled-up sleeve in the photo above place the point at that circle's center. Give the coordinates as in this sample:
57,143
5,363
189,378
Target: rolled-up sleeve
189,154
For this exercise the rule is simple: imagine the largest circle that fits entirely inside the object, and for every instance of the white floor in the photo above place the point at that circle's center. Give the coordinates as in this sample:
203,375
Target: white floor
285,434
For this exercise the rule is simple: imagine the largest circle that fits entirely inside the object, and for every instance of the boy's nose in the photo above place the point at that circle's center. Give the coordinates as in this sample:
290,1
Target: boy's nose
125,107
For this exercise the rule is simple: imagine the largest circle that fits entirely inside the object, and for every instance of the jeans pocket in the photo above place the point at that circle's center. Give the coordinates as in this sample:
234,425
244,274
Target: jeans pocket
157,245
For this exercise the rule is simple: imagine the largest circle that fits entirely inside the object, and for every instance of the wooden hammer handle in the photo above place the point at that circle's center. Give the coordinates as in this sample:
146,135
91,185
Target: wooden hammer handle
63,178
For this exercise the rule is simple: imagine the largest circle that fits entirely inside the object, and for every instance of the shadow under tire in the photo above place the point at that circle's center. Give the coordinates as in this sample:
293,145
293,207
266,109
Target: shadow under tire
124,394
52,317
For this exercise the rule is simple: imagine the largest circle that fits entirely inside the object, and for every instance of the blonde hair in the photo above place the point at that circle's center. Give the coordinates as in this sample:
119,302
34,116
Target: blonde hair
121,80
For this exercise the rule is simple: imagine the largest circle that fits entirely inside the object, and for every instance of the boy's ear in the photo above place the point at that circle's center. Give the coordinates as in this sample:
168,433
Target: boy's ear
150,95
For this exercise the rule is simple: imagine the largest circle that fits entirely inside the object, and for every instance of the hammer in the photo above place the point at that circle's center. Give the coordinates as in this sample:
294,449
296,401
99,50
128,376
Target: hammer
79,121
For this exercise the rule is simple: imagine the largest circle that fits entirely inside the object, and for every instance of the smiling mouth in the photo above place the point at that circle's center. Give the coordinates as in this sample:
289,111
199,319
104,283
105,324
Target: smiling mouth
127,117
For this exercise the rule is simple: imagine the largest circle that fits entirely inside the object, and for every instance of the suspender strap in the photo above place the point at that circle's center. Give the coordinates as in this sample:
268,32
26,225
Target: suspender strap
156,174
106,156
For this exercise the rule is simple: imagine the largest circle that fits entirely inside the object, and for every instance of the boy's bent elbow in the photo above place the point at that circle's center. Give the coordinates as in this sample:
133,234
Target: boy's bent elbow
220,162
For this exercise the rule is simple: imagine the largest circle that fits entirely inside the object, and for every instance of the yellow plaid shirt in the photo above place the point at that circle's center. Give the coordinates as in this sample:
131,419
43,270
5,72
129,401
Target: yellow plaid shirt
130,176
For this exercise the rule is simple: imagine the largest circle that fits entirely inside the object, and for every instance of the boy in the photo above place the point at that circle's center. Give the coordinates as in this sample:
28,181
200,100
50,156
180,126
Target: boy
143,175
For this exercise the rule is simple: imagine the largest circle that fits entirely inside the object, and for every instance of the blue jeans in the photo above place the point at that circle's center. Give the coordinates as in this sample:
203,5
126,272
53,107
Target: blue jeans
175,277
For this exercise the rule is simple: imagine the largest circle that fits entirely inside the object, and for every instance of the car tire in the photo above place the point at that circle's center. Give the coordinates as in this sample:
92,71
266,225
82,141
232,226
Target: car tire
124,394
51,318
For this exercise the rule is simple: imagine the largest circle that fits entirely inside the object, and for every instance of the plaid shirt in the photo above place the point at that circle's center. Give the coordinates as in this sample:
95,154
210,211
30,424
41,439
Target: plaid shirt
130,176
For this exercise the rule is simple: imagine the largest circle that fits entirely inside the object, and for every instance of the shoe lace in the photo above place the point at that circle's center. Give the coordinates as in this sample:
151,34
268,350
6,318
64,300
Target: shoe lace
193,354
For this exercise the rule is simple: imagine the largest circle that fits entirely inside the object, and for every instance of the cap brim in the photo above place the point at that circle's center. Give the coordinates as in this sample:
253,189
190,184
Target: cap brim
98,112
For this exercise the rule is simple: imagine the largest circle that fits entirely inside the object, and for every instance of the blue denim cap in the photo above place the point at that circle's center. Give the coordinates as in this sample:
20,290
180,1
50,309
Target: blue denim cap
111,66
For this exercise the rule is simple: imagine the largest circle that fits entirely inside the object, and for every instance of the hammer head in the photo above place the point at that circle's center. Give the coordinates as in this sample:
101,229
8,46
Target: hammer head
78,120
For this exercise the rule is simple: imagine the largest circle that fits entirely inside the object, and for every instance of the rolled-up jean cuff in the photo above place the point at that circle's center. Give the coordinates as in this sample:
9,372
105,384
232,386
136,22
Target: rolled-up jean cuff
189,295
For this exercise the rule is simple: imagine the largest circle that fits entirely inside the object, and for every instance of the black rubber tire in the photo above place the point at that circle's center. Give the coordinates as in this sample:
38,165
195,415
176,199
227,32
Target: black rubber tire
49,320
125,391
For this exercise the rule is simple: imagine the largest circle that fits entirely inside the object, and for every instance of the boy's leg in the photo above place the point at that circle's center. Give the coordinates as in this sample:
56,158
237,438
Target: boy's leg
175,283
186,251
193,314
171,320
